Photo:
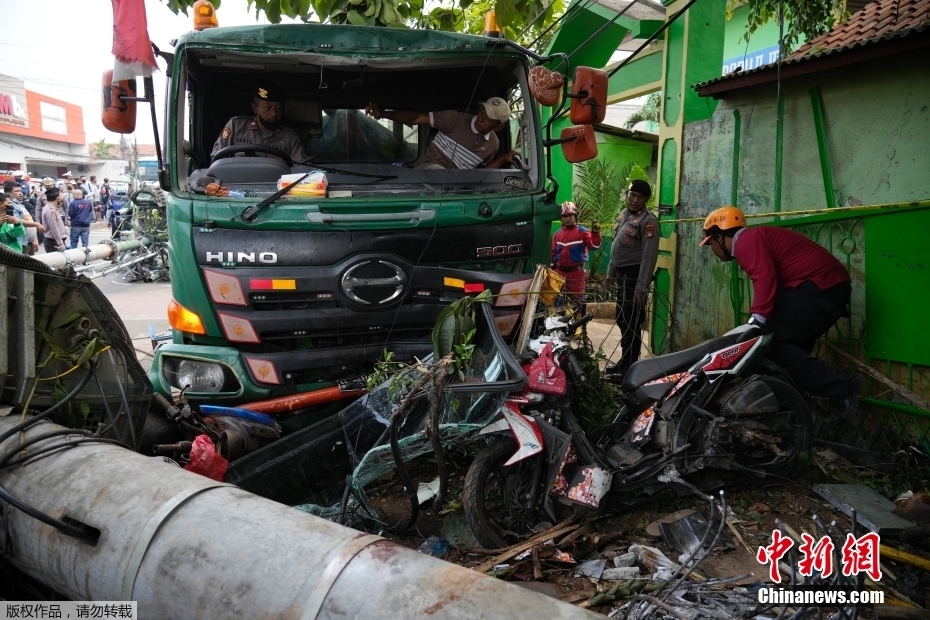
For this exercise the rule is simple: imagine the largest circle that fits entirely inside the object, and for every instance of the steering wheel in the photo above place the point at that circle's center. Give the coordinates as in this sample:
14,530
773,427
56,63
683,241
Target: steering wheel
518,163
250,150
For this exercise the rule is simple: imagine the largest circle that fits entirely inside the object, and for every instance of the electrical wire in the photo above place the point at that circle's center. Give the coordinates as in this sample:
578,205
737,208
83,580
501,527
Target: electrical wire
652,38
122,392
70,370
64,401
63,446
603,28
106,404
563,20
61,526
33,440
7,549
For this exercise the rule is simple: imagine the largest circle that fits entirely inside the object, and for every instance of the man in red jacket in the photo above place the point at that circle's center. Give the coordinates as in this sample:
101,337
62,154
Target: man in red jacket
570,246
799,292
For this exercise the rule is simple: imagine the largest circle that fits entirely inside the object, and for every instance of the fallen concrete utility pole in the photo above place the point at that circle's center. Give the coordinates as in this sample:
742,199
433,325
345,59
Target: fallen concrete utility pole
104,250
184,546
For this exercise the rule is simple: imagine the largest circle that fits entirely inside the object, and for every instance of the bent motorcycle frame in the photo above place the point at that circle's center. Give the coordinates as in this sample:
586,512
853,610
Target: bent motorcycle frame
729,360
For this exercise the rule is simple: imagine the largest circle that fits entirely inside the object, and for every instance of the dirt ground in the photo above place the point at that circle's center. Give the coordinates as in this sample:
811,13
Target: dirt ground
755,505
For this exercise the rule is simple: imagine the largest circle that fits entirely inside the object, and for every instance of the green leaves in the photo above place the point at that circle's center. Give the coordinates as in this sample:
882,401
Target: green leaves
598,191
455,323
514,16
92,348
805,19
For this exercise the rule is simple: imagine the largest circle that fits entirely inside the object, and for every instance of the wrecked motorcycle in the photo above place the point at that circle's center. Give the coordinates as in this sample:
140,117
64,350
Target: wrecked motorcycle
718,405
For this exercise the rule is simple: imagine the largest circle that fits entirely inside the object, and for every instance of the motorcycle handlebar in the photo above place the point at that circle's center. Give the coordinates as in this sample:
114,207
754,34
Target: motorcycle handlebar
575,367
571,327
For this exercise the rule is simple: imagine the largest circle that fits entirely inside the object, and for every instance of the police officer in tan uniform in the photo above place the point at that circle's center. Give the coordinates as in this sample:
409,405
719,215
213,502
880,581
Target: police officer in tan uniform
633,258
264,128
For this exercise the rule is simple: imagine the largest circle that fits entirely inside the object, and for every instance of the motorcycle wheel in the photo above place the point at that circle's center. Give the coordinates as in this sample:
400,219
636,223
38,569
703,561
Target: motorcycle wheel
793,410
493,492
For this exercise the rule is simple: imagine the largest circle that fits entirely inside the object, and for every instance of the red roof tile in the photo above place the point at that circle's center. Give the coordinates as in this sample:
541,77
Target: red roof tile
876,19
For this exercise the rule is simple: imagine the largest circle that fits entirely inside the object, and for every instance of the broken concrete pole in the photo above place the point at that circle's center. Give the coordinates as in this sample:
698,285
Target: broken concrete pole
184,546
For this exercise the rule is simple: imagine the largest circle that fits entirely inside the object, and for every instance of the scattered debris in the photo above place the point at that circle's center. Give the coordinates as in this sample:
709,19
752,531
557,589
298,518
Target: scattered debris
915,508
653,528
685,535
427,490
872,510
618,574
434,546
626,560
591,568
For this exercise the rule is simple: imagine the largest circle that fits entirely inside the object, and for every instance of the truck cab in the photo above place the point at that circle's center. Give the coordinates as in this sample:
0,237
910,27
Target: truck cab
313,289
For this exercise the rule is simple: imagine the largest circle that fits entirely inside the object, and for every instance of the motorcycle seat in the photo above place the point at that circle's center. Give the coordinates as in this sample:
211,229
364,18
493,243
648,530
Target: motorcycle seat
647,370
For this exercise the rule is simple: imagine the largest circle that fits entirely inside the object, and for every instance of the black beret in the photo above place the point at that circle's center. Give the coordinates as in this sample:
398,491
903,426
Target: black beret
641,187
269,92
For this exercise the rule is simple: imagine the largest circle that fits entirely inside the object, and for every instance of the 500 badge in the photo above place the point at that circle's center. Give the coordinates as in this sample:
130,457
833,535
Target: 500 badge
500,250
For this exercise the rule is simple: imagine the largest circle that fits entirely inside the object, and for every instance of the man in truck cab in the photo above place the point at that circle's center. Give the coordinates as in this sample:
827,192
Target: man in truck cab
264,128
464,141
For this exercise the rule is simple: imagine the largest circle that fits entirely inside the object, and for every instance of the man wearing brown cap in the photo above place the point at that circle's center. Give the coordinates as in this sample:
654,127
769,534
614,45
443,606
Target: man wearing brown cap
464,141
264,128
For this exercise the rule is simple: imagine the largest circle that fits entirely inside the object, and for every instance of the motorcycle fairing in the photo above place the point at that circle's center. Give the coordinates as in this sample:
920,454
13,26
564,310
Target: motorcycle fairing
639,433
729,360
525,431
580,483
557,444
642,426
497,426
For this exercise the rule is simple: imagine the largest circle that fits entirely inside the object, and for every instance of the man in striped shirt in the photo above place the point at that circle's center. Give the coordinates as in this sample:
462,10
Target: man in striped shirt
463,141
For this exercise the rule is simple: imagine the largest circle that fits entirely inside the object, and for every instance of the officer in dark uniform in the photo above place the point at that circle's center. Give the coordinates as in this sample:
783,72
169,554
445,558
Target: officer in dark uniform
633,258
264,128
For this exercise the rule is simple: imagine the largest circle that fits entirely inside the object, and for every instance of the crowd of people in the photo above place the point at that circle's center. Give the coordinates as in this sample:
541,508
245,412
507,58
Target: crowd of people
52,215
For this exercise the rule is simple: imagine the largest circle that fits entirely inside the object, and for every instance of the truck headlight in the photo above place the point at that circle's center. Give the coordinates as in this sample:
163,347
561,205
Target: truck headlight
197,376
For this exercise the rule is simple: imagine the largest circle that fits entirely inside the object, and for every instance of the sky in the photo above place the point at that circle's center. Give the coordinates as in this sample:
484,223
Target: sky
60,48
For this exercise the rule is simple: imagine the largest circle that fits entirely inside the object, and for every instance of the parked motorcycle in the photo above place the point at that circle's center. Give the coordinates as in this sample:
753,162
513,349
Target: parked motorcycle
718,405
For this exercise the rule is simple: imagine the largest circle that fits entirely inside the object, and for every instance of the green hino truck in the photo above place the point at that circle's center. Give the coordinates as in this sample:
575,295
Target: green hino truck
274,295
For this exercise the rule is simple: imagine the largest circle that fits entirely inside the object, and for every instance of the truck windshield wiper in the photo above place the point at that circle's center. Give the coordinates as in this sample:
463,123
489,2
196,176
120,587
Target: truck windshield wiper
380,177
252,212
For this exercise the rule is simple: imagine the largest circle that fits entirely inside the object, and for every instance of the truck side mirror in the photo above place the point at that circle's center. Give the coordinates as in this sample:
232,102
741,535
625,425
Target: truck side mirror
589,96
580,144
117,115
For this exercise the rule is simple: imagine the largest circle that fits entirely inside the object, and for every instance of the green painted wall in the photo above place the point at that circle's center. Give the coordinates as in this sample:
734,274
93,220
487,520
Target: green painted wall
584,22
736,50
877,120
641,71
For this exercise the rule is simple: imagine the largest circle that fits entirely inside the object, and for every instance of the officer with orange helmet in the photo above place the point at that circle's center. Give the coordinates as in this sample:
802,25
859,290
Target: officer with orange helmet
570,246
800,290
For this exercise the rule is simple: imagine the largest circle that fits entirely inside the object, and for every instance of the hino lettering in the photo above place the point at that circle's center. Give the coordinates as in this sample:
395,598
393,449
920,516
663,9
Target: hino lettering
500,250
268,258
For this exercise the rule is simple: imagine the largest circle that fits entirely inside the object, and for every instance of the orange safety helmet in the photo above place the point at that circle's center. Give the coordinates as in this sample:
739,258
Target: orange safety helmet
569,208
724,218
